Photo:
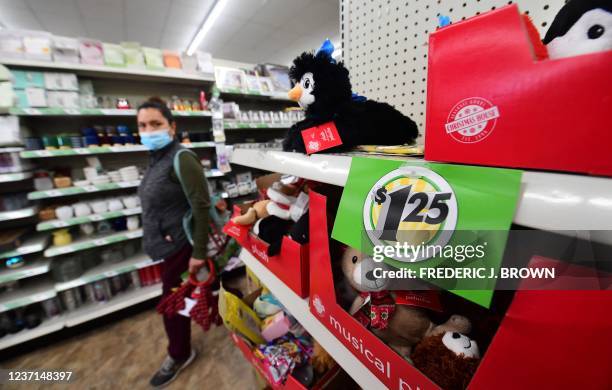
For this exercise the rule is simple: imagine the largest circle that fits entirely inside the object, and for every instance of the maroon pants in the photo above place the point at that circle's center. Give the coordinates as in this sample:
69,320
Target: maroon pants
178,327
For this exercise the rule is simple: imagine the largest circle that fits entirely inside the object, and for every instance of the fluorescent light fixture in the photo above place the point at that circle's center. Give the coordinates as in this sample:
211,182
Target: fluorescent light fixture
206,25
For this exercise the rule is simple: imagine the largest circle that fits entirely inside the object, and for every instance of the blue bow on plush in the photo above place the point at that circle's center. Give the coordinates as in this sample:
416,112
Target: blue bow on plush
327,49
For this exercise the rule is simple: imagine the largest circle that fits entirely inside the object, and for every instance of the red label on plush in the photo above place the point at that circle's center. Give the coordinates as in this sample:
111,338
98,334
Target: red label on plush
424,299
321,137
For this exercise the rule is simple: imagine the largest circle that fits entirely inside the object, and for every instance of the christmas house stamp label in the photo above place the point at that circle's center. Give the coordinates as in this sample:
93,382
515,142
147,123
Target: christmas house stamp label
472,120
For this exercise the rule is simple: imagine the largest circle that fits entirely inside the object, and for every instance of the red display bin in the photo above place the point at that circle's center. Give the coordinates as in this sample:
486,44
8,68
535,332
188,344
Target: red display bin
490,102
290,265
291,383
546,340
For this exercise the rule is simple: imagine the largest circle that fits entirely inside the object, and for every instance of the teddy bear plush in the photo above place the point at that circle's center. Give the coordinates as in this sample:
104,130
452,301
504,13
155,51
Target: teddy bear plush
450,359
401,326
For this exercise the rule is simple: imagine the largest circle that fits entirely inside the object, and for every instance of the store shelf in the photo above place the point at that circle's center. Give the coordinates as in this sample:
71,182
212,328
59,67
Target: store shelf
19,176
93,112
256,95
101,150
101,71
10,149
33,244
56,223
68,191
34,268
89,243
47,327
548,201
120,301
26,295
83,314
18,214
104,271
214,173
229,125
298,307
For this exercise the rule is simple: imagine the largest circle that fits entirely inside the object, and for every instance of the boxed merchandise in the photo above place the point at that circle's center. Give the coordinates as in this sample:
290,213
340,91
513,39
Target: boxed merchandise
230,79
133,54
238,315
483,108
35,97
11,44
153,58
37,45
7,96
53,81
65,49
23,79
113,54
9,130
205,64
63,99
91,51
172,59
531,327
69,82
190,63
278,74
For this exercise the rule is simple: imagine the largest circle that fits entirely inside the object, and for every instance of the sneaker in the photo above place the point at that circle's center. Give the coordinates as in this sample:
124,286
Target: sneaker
169,370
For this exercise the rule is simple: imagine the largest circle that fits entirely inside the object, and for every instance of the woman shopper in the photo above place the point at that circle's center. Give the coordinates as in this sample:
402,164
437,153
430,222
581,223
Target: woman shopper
164,203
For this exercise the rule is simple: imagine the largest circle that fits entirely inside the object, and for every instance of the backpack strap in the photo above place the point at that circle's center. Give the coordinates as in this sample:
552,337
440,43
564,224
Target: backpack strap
188,217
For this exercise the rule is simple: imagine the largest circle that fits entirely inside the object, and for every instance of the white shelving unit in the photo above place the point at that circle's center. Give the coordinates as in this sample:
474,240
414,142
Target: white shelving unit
33,244
83,314
18,176
102,150
18,214
298,308
548,201
89,243
37,267
57,223
23,296
68,191
101,71
54,111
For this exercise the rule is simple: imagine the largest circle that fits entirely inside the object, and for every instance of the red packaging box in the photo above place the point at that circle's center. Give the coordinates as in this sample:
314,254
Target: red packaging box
490,102
547,339
291,383
290,265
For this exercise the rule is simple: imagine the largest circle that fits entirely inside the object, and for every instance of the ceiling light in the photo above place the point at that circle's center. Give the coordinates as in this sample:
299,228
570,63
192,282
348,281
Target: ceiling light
206,25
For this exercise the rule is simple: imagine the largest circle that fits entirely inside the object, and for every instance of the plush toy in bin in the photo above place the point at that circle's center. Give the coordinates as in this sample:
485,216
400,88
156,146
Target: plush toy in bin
323,90
580,27
450,359
284,212
399,318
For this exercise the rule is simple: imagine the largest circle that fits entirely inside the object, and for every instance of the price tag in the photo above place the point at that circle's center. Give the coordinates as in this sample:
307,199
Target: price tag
321,137
44,153
90,188
135,234
100,242
72,111
82,151
65,249
59,224
110,274
54,193
31,111
96,217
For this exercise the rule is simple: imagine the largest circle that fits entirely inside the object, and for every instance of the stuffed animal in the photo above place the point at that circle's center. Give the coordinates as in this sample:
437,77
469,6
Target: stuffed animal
321,360
323,90
450,359
401,326
580,27
274,217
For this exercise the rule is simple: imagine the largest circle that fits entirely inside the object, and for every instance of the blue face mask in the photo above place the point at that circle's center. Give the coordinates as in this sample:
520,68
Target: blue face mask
154,140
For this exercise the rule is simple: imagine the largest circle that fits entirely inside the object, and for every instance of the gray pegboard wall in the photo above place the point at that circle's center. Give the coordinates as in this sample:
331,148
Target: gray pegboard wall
384,43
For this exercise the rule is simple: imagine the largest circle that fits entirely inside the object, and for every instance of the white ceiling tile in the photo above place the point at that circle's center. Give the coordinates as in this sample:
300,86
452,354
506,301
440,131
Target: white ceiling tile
151,12
180,14
276,12
69,26
19,17
51,6
103,31
243,9
101,9
251,34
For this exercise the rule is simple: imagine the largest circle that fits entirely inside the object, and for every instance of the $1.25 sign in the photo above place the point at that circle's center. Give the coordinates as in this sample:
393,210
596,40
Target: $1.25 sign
386,202
412,205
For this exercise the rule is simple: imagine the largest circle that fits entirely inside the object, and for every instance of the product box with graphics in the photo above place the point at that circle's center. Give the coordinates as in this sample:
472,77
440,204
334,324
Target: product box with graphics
491,102
537,345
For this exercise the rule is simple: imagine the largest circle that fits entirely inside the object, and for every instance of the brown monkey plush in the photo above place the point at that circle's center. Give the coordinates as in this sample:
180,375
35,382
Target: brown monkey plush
450,359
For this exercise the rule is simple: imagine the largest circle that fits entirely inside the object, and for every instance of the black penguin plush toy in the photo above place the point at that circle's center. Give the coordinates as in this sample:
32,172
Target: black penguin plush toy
323,89
580,27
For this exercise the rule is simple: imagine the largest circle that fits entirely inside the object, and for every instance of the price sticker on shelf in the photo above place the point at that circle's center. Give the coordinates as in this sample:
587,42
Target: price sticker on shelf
110,274
96,217
31,111
59,224
90,188
65,249
100,242
135,234
82,151
54,193
44,153
72,111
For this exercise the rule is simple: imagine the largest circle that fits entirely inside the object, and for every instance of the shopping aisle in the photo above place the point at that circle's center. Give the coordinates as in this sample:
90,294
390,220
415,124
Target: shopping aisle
127,352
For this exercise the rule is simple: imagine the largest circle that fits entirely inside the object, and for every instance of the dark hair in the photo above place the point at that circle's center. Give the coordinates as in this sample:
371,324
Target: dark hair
160,105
